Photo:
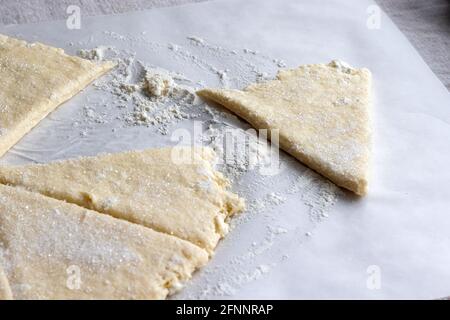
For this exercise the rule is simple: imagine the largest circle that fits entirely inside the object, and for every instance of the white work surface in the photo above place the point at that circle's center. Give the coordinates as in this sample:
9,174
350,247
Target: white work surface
394,243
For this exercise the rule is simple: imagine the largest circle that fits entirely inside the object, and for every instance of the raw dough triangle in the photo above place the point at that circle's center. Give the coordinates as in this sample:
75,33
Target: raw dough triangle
50,249
189,200
34,80
322,113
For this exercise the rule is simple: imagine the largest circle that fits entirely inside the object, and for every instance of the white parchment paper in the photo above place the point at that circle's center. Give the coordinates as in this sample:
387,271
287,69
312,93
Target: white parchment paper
394,243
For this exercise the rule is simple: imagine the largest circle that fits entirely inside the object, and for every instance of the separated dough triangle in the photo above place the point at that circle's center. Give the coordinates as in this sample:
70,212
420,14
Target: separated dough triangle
34,80
322,113
189,200
50,249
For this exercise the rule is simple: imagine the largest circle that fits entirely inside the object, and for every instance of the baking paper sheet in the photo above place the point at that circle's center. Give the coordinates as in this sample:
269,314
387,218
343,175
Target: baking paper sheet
394,243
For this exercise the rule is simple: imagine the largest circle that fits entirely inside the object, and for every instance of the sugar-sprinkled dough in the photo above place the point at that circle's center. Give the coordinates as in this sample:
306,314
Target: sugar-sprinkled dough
151,187
321,112
51,249
34,80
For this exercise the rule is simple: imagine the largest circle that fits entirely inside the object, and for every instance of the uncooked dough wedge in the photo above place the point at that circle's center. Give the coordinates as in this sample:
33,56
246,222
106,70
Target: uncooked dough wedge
189,200
34,80
321,112
55,250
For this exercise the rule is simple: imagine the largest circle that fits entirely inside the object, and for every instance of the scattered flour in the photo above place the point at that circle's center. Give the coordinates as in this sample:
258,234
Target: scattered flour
158,84
280,63
341,66
154,97
269,200
148,96
250,51
317,193
196,40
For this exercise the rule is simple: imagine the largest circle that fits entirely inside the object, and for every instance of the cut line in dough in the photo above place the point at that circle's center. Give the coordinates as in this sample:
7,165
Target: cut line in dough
187,199
322,114
51,249
34,80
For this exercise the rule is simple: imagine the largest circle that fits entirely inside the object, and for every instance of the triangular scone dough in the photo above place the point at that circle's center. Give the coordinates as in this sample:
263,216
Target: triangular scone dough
5,290
51,249
322,113
34,80
189,200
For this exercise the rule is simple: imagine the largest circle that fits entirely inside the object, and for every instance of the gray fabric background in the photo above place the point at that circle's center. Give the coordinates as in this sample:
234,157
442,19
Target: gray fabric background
426,23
